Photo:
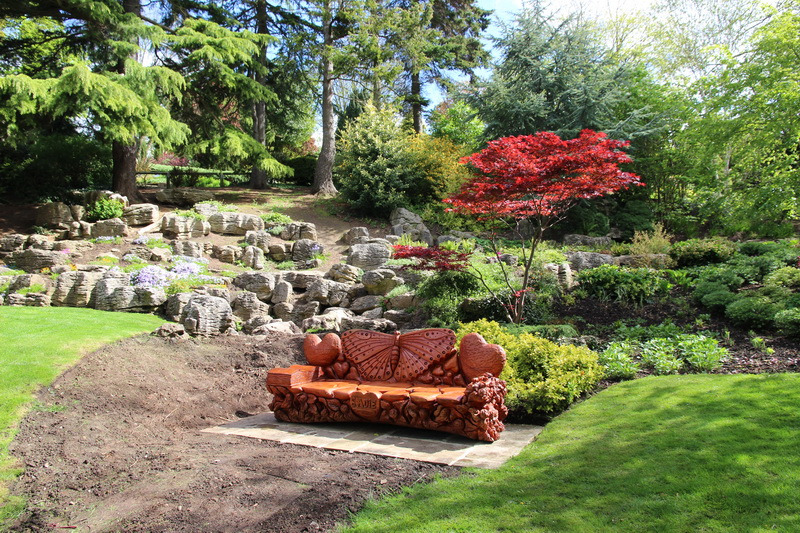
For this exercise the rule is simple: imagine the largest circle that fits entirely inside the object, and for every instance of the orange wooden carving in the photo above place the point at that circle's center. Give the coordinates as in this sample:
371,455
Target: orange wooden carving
415,379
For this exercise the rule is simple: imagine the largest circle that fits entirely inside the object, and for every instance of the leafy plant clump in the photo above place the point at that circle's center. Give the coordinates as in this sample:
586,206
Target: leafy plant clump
627,285
543,378
221,206
273,218
657,241
618,360
103,209
663,355
189,213
695,252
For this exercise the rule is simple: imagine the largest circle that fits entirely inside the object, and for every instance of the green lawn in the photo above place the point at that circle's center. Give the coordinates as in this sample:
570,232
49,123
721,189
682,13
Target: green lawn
37,344
675,453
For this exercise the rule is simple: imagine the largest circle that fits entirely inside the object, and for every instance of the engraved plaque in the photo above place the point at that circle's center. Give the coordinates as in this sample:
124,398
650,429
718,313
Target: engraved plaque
365,404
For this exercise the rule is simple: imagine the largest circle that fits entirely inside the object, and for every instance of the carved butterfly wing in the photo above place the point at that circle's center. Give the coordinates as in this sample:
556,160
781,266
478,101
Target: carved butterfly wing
420,349
371,352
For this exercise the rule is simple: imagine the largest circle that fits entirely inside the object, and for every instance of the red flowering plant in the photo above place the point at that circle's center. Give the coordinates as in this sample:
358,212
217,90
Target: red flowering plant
434,259
536,179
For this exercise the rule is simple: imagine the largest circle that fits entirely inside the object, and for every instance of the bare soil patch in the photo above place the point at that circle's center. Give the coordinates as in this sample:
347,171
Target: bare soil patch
115,445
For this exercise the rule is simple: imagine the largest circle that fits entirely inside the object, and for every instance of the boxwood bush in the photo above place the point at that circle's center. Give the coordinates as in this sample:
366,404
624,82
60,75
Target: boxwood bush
628,285
543,378
695,252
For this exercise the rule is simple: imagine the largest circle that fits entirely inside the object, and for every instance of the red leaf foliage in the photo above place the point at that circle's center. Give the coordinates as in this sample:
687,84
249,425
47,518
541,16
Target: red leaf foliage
436,259
542,175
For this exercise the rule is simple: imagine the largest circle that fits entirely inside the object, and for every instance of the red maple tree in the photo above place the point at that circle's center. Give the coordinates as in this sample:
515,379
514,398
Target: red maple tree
538,178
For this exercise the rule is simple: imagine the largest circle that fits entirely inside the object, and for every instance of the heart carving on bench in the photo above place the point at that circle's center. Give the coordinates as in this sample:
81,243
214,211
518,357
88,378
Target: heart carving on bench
322,352
478,357
365,404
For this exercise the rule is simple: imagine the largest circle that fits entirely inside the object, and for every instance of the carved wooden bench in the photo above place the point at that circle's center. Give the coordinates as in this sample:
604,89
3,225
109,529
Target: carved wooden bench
415,379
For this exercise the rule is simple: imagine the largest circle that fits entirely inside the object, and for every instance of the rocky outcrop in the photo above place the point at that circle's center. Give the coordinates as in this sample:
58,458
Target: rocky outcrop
295,231
183,197
406,300
181,227
369,256
365,303
282,293
114,293
327,292
188,248
232,223
301,279
253,257
75,288
228,253
141,214
31,299
260,283
330,320
360,322
358,235
276,326
34,260
344,273
574,239
306,249
54,215
207,315
381,281
175,305
280,251
113,227
584,260
40,242
563,272
259,239
12,243
247,305
405,222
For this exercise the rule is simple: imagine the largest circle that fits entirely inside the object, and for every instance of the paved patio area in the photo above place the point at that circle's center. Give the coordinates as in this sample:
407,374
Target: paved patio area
391,441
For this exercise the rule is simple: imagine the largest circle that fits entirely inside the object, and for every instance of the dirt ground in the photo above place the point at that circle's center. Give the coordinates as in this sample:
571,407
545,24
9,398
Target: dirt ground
115,445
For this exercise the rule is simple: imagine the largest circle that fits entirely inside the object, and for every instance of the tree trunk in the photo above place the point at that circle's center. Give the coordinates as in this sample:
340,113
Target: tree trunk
258,176
123,175
416,102
323,173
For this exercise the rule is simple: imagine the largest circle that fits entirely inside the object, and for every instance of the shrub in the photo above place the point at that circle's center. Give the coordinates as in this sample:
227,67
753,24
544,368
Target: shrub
659,355
551,332
701,353
375,169
651,242
755,312
718,301
459,123
543,377
437,162
788,322
788,277
721,274
443,293
303,167
635,285
702,251
617,360
103,209
273,218
645,333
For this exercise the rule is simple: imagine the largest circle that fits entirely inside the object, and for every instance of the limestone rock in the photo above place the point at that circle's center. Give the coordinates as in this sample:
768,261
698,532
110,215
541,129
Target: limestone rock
369,256
25,281
373,313
233,223
170,330
574,239
360,322
113,227
330,320
140,214
207,315
75,247
78,212
181,227
253,257
160,255
56,215
206,209
34,260
358,235
403,301
12,243
228,253
114,293
90,197
219,292
283,311
301,280
305,250
183,197
259,239
74,288
295,231
381,281
188,248
563,273
304,311
247,305
280,251
344,273
327,292
175,304
40,242
365,303
399,317
405,222
282,292
584,260
278,326
32,299
260,283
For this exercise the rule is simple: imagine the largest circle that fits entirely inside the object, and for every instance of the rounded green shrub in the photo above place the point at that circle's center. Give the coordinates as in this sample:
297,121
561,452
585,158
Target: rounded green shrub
103,209
788,321
629,285
618,362
788,277
543,377
756,312
717,301
694,252
704,288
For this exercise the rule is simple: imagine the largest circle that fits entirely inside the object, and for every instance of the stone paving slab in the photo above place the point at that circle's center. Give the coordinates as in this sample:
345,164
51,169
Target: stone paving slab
390,441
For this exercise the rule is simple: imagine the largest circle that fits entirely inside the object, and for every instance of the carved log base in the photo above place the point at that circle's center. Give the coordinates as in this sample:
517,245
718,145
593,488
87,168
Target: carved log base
477,412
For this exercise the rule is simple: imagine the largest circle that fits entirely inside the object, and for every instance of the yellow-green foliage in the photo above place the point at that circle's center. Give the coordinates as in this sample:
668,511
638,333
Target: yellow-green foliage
543,377
437,160
651,242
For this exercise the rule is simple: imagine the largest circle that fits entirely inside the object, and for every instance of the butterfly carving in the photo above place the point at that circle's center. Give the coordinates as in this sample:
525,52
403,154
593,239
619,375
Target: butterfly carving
379,356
